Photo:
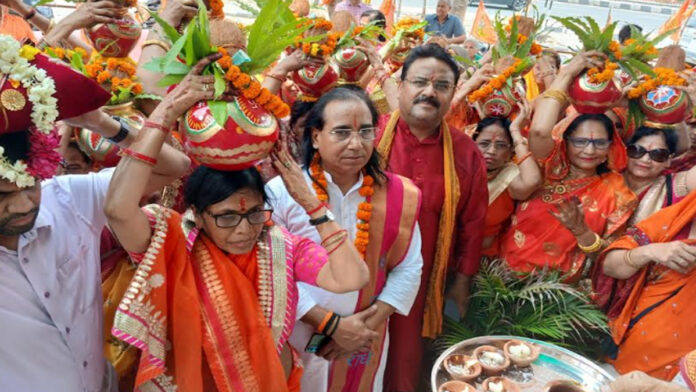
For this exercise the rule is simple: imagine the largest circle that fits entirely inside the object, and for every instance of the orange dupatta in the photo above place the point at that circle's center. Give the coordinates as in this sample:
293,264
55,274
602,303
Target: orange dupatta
184,301
666,332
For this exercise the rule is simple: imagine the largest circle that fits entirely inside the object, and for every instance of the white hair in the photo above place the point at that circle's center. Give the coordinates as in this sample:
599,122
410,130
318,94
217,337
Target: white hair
449,2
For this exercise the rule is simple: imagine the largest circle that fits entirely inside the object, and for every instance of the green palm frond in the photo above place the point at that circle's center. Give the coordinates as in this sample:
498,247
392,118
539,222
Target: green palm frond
539,305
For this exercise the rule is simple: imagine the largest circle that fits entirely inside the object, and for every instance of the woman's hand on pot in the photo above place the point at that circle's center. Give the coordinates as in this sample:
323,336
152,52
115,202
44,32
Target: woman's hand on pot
193,88
522,117
294,61
582,61
292,176
88,14
371,52
176,11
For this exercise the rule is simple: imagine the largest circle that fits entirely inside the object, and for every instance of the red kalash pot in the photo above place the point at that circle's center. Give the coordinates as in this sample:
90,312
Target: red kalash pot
352,64
247,136
503,102
665,105
593,98
314,80
115,39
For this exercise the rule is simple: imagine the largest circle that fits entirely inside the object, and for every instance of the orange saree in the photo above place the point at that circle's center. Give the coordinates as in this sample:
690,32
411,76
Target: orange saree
657,324
535,239
500,208
203,315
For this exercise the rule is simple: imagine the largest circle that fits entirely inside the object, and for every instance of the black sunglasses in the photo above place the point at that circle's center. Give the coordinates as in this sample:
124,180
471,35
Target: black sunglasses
658,155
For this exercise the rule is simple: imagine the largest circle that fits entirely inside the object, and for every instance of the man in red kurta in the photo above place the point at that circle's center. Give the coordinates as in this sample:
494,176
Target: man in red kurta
449,169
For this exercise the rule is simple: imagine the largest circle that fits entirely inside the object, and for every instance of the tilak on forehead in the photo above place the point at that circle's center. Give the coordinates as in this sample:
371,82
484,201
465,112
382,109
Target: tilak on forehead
242,204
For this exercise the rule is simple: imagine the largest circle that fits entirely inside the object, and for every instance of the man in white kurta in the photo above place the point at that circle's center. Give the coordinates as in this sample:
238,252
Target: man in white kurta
399,291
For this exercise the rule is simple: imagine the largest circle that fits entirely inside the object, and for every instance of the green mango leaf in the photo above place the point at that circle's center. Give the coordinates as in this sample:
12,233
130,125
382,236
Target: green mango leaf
149,96
170,31
219,111
176,68
43,2
156,64
169,80
220,83
176,49
77,62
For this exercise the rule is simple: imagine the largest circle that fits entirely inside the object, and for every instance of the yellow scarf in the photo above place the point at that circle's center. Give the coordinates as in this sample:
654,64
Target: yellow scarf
531,85
432,321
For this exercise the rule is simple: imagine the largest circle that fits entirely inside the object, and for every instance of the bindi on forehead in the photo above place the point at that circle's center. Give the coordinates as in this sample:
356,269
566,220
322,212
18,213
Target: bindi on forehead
243,204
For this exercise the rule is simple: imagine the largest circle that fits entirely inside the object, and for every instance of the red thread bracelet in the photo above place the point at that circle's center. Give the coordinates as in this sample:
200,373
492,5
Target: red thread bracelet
139,157
278,78
152,124
316,209
343,240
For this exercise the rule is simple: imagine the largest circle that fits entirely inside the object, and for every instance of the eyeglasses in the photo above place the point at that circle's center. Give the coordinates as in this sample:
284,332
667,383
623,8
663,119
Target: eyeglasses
226,221
658,155
498,146
441,86
582,142
340,135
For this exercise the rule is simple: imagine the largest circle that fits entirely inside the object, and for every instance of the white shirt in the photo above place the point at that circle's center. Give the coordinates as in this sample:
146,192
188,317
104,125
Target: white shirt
50,292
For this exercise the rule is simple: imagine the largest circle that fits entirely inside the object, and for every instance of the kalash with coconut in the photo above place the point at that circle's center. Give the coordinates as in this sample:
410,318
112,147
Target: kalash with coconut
237,132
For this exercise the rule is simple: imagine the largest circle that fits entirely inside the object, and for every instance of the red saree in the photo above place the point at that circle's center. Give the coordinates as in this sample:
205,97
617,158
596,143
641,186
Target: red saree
536,239
656,326
203,314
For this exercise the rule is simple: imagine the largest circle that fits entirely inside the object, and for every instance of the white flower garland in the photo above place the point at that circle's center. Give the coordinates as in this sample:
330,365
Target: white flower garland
40,87
16,173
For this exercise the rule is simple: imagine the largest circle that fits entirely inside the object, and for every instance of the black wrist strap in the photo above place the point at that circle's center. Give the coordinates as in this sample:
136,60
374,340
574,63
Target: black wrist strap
122,132
319,220
334,327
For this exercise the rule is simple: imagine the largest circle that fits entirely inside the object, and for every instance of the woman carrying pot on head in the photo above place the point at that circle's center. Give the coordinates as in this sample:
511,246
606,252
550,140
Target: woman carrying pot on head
379,211
499,140
582,201
218,285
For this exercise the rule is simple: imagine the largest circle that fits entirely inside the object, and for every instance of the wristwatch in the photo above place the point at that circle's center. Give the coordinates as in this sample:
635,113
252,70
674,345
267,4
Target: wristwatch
328,217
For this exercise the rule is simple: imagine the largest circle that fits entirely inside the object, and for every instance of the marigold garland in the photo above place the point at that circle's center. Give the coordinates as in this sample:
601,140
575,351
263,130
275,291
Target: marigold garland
65,54
103,71
534,50
250,88
665,77
364,213
406,23
597,77
494,84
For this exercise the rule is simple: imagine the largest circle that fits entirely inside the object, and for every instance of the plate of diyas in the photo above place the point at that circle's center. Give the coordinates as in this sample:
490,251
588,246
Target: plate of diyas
515,364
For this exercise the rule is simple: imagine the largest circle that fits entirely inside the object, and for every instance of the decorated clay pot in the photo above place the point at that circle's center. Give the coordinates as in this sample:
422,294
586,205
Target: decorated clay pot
396,59
115,39
352,64
665,105
101,150
593,98
503,102
314,80
247,136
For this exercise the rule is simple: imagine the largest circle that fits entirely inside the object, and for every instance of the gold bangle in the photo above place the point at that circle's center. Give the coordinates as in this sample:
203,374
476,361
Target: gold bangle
628,261
558,95
156,42
51,25
596,245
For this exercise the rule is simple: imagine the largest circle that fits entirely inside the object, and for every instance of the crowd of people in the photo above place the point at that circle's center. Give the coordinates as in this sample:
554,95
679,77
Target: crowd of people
226,213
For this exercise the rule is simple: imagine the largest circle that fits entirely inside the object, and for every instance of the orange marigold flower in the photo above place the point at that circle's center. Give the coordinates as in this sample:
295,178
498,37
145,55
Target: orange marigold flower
283,112
225,62
264,97
137,88
125,83
111,63
103,76
232,73
325,49
81,51
242,81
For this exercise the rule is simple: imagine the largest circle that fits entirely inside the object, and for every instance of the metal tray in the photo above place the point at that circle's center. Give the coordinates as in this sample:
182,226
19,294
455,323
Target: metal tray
554,363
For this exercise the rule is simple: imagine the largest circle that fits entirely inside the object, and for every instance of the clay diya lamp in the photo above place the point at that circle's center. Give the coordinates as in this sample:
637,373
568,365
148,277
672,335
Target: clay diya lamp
493,360
456,386
499,384
564,386
462,367
521,353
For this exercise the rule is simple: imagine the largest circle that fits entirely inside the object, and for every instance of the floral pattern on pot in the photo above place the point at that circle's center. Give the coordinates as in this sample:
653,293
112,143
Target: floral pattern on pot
352,64
665,105
247,137
503,102
115,39
315,80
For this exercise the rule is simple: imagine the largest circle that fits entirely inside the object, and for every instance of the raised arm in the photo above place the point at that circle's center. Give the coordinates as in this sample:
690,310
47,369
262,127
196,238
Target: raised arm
276,76
345,271
530,178
87,14
134,171
553,101
388,85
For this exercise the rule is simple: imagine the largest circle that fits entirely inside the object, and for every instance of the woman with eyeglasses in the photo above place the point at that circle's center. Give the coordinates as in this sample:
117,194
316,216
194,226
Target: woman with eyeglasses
379,211
583,200
499,140
214,298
